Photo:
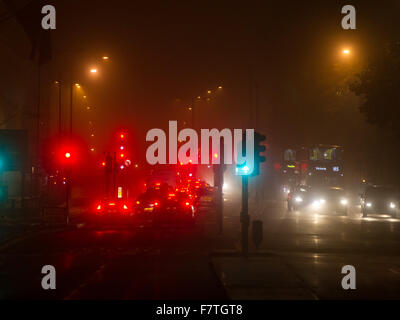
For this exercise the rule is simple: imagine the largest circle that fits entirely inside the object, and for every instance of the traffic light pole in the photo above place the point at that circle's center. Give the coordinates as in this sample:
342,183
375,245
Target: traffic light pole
114,186
219,183
244,215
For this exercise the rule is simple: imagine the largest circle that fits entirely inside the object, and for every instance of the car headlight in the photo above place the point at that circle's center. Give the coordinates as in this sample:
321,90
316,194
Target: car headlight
369,204
344,202
322,201
316,203
298,199
392,205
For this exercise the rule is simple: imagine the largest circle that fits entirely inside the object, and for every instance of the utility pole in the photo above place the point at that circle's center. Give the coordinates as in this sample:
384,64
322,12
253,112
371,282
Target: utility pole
59,107
67,193
38,111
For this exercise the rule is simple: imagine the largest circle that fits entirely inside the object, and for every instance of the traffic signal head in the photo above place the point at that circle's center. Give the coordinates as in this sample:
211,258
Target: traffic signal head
66,156
251,167
245,154
259,148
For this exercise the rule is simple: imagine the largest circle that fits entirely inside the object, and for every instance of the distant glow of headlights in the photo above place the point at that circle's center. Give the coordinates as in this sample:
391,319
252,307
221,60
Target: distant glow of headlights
316,204
392,205
322,201
225,186
343,201
369,204
286,190
298,199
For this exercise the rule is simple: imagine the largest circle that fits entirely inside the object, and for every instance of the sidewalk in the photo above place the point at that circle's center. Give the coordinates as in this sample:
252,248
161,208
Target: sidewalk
16,224
265,277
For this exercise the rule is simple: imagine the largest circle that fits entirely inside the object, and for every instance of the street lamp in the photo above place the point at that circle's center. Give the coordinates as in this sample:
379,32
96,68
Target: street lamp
346,52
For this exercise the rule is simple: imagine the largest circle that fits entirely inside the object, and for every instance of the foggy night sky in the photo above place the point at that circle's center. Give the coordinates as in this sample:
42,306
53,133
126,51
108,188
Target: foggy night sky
167,50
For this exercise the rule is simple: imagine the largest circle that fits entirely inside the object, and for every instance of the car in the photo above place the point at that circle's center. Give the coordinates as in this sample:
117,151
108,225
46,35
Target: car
378,199
111,210
165,204
318,199
328,200
207,197
298,197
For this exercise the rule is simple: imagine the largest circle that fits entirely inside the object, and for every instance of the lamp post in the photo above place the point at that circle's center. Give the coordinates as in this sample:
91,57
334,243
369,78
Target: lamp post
58,83
193,106
71,106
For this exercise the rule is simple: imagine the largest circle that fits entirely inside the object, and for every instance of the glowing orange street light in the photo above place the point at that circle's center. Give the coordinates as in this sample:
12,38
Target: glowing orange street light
346,52
93,70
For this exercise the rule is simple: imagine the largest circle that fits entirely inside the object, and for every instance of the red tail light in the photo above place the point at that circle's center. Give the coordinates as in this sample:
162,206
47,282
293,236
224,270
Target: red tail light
156,204
187,204
111,204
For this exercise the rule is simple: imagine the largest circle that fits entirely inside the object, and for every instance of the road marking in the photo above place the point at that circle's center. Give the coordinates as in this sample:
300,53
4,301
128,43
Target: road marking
84,284
394,271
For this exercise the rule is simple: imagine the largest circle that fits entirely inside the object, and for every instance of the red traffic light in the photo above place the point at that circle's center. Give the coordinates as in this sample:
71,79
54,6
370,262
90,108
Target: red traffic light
67,155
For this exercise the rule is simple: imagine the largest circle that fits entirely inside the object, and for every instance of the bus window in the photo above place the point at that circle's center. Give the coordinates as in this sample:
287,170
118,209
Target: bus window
289,155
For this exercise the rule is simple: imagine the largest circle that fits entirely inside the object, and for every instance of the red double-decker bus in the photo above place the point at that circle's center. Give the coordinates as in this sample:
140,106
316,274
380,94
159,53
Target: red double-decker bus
317,165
